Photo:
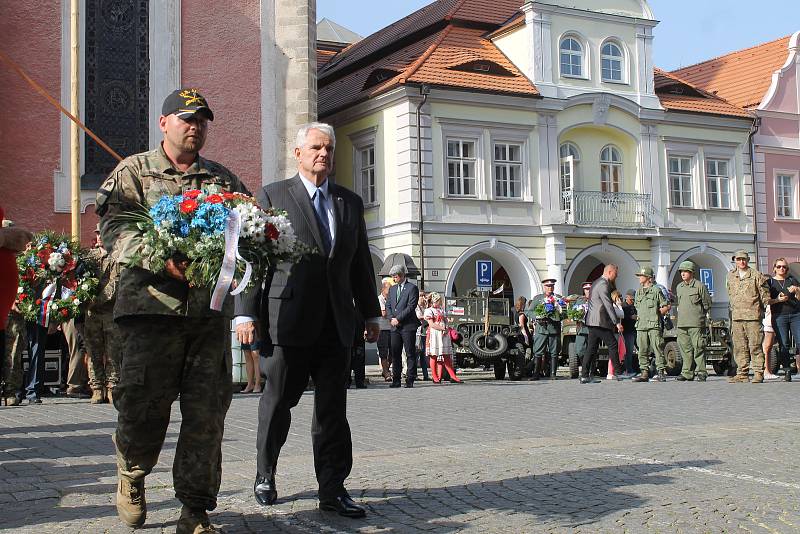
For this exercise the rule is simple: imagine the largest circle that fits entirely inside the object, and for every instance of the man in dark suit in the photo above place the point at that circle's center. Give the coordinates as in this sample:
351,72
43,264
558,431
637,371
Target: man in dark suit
401,309
306,314
603,324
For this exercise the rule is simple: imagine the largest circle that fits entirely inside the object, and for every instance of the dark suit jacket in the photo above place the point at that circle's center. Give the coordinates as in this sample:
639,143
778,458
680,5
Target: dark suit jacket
299,300
601,309
404,310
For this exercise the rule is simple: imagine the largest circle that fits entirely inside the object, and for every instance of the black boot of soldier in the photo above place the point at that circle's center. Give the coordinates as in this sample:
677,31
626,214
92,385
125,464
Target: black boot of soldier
553,367
537,368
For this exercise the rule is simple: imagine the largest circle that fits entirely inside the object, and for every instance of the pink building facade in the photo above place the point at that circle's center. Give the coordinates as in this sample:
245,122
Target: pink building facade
249,58
776,154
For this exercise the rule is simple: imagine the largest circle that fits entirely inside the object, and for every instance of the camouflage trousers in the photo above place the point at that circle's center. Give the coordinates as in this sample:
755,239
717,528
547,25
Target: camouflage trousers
650,341
747,339
15,344
164,357
692,342
101,336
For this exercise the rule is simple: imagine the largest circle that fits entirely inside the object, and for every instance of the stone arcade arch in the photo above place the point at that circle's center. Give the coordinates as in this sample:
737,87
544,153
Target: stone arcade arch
587,261
518,266
706,257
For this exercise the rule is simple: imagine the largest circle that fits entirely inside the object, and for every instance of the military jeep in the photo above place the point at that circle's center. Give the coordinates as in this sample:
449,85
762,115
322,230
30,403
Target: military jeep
489,336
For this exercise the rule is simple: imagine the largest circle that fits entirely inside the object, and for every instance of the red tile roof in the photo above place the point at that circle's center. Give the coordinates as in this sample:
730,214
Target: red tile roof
323,56
447,44
743,77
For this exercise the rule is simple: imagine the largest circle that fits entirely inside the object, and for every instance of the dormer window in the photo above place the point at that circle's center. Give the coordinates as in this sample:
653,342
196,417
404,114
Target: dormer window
379,76
483,67
611,62
571,53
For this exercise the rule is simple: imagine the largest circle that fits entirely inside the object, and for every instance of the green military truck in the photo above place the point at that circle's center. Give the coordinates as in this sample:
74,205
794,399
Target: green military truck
719,351
488,334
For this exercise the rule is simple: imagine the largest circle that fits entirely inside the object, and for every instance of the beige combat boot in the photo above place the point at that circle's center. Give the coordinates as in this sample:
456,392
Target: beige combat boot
740,378
195,522
110,395
758,378
97,397
131,504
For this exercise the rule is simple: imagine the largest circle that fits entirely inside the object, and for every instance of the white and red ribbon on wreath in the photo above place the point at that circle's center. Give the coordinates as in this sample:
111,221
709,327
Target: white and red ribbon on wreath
232,230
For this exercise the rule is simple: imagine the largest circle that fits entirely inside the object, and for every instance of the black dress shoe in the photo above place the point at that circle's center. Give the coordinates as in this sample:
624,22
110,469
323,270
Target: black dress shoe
264,490
342,505
583,380
361,386
394,385
408,385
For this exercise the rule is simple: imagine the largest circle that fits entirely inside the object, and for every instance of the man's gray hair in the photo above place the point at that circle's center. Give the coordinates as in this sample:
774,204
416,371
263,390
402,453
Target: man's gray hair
397,269
302,133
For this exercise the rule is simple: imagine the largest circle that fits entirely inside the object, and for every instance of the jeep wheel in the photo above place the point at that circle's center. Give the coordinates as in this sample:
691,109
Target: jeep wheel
488,347
574,364
773,363
673,356
499,369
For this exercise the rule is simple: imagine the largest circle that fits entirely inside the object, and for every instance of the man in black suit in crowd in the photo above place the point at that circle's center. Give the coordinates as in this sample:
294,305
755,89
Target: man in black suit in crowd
306,314
401,309
603,324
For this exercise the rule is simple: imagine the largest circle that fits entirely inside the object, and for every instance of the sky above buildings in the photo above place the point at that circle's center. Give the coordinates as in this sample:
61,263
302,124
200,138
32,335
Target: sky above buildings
689,31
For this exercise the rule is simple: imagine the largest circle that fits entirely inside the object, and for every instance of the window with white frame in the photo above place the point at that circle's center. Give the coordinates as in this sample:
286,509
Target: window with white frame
366,174
571,53
570,162
610,169
718,183
785,196
680,181
611,62
507,166
461,159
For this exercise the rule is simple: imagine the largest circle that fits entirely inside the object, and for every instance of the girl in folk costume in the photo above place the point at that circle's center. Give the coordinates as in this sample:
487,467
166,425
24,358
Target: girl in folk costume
437,342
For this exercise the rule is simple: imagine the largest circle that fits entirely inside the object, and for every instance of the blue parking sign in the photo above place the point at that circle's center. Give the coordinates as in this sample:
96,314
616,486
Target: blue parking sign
707,277
483,273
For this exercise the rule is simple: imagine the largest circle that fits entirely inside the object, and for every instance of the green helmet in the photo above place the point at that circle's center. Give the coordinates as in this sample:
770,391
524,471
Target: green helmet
645,271
687,266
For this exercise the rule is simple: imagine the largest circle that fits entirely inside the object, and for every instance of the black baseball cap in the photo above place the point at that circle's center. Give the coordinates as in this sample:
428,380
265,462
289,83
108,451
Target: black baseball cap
186,103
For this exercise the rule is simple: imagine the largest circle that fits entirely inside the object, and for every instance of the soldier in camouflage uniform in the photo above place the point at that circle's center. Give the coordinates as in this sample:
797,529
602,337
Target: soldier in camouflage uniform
748,292
547,336
650,306
15,344
694,304
172,342
99,331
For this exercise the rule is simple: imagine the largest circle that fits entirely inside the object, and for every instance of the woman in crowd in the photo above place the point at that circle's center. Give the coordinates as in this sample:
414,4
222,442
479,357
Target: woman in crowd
251,363
524,334
385,326
785,306
422,359
768,342
616,300
437,344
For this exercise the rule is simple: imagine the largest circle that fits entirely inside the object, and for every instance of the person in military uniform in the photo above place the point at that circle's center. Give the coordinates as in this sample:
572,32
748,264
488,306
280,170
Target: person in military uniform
99,331
650,306
582,333
694,304
173,343
748,292
547,335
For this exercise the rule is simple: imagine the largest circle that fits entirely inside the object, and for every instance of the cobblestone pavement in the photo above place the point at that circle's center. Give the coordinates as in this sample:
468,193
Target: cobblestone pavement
486,456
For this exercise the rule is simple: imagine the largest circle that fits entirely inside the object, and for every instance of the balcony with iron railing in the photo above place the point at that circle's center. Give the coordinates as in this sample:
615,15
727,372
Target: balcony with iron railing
609,210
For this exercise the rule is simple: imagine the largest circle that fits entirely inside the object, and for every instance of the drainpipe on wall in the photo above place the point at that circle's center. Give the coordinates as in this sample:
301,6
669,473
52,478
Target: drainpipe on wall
424,90
753,132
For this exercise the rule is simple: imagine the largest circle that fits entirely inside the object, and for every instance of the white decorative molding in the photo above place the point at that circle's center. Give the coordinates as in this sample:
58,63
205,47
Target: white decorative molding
519,267
165,58
600,107
792,60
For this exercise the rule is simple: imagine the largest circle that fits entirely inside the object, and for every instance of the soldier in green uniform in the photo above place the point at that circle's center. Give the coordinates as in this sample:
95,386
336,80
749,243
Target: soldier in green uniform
694,304
582,334
748,292
650,305
173,344
547,334
99,331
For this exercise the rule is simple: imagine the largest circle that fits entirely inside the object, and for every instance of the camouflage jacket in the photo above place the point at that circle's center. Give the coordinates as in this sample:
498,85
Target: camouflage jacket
108,274
748,295
141,180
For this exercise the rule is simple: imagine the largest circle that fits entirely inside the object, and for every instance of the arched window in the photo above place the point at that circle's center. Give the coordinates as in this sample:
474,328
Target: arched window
571,57
610,169
570,161
611,62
